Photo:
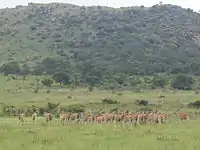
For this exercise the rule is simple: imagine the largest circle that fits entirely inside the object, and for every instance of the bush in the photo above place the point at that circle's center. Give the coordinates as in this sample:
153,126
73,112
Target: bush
36,90
47,82
10,68
182,82
159,81
119,94
13,77
41,110
195,104
62,78
91,88
51,107
142,102
48,91
76,108
134,81
69,97
109,101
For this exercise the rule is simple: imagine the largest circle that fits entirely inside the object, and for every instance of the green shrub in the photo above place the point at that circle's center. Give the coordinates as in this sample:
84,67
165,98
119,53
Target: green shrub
76,108
109,101
141,102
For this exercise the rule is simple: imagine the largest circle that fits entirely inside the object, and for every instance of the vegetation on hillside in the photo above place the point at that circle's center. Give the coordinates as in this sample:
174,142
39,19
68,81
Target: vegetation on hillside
99,44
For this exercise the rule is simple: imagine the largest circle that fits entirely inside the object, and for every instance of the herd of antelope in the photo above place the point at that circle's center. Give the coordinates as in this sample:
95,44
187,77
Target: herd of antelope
125,117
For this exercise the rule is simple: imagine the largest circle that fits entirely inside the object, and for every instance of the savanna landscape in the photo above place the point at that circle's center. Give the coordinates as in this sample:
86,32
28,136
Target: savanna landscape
76,77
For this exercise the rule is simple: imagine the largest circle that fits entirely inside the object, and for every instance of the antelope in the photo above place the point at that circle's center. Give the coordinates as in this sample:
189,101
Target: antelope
48,117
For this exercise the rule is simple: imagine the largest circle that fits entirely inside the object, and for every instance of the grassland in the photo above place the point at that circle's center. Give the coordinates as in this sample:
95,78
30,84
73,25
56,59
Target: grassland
184,136
21,93
41,136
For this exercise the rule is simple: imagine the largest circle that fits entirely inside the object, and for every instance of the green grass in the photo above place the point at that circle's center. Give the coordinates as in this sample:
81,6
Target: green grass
41,136
22,94
184,136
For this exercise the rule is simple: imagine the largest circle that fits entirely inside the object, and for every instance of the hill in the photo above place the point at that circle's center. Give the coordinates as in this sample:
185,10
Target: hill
100,41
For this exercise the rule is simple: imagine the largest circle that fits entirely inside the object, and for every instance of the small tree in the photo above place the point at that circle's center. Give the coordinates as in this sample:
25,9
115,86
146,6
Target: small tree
10,68
62,78
160,3
92,80
182,82
51,107
90,88
159,81
147,80
47,82
134,81
120,79
25,70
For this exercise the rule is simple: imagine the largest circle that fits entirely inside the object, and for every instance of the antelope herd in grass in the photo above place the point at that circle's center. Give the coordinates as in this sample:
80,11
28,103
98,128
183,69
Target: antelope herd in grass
125,117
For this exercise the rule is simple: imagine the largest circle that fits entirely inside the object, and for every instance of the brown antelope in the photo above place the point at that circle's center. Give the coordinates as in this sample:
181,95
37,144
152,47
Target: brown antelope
100,119
73,117
63,116
88,118
48,117
182,115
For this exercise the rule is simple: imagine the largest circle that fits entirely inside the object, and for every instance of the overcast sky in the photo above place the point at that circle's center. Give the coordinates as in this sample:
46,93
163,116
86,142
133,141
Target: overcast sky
194,4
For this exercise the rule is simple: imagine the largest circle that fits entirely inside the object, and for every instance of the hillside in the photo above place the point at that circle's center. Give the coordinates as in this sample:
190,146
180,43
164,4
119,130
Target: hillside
99,41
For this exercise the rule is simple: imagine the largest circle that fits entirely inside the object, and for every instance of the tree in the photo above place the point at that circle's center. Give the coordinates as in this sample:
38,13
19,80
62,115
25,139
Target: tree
51,107
90,88
120,79
62,78
92,80
47,82
182,82
10,68
25,70
147,80
133,81
160,3
159,81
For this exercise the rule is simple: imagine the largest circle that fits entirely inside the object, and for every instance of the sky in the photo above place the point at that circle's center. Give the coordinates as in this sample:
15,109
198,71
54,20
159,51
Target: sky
193,4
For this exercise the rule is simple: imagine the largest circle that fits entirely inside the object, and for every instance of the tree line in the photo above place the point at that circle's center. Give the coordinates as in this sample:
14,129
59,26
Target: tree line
112,81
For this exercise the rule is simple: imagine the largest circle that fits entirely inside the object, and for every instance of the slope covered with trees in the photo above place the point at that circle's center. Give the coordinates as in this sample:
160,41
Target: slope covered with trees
91,44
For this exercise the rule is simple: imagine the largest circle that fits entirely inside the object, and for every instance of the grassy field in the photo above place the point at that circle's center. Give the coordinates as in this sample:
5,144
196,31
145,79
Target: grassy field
184,136
41,136
21,93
